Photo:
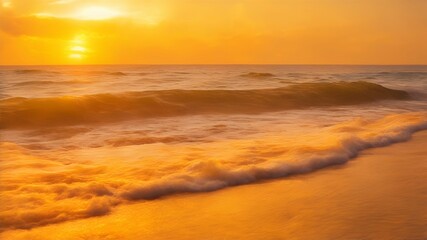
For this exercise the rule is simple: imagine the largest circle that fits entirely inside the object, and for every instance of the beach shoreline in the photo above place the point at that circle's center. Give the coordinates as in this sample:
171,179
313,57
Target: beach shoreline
378,195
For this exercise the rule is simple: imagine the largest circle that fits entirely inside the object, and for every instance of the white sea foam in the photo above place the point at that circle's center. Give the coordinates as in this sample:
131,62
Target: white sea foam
48,187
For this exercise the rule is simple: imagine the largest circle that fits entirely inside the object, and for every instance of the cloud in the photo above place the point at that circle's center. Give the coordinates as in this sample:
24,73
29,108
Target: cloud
62,1
54,27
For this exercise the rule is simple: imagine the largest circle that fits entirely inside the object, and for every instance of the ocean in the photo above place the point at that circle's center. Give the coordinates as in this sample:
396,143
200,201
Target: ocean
79,141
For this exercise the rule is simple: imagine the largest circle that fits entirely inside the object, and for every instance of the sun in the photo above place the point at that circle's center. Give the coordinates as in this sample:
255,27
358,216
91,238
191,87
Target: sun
77,49
75,56
96,13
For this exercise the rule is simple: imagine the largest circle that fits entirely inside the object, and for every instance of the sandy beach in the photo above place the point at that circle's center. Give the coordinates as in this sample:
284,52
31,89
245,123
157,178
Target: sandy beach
379,195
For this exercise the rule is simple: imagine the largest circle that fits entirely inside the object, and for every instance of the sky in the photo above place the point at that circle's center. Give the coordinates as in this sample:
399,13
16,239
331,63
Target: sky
39,32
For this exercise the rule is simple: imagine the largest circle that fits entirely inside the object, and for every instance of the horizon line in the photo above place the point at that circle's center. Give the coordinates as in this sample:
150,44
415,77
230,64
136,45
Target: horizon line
211,64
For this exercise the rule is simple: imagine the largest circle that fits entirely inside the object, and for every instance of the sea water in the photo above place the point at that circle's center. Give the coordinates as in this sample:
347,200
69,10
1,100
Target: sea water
77,141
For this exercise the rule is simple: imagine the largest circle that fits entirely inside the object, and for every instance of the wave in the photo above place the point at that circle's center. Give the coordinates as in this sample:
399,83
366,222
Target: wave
360,135
34,71
398,75
37,83
119,142
95,73
99,108
45,82
79,73
402,73
86,190
183,73
258,75
2,95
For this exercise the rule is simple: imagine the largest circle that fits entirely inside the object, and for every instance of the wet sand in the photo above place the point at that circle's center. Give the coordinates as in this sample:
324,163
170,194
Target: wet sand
381,194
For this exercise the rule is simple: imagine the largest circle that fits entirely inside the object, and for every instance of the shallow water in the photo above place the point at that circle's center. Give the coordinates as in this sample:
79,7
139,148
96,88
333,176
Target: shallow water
78,141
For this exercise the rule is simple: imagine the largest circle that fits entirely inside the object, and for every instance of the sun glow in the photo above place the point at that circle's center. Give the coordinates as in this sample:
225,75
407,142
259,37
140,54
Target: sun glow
198,32
96,13
6,4
76,56
77,49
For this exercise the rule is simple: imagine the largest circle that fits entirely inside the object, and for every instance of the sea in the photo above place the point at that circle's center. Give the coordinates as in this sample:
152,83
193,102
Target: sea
78,141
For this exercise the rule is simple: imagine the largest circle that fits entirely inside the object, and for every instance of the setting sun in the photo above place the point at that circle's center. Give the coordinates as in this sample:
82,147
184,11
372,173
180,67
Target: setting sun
77,49
76,56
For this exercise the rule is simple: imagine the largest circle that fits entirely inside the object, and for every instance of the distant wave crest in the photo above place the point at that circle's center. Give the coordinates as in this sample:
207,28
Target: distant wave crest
257,75
45,83
57,111
79,73
83,73
34,71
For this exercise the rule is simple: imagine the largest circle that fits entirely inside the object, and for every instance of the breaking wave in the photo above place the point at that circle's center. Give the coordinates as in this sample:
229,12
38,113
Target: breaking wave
58,111
92,188
212,175
258,75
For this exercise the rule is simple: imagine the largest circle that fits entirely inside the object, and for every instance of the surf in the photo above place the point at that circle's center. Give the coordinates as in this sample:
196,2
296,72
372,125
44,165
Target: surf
98,179
20,112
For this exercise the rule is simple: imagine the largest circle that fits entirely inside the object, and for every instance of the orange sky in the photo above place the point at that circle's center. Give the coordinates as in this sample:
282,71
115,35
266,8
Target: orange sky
213,31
